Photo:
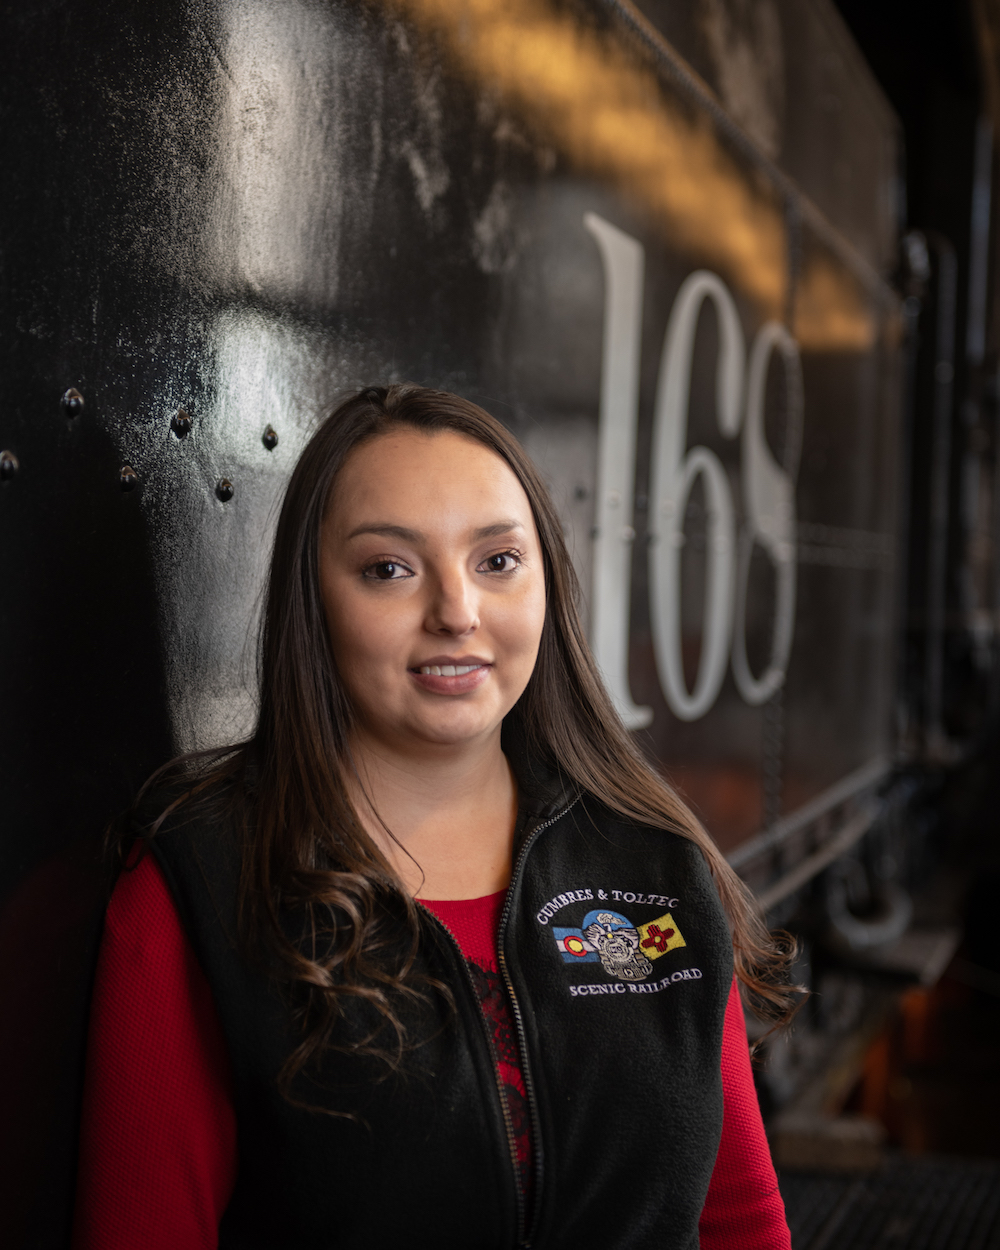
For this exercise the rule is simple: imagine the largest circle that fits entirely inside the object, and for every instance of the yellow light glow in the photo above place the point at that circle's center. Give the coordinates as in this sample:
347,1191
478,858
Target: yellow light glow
609,115
831,309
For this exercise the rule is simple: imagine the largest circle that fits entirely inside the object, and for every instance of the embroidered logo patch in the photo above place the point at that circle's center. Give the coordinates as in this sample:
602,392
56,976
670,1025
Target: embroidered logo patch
625,949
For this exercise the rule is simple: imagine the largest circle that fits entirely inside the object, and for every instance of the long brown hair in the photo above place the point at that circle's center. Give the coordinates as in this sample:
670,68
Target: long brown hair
306,852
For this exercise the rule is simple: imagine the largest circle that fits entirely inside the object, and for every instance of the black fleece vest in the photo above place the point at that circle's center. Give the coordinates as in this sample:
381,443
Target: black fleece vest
619,958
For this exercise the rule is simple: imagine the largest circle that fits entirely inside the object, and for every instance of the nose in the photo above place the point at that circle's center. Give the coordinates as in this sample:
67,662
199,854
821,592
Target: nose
453,609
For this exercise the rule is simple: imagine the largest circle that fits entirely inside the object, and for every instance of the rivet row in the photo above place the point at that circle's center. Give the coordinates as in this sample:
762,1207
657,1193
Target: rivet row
72,404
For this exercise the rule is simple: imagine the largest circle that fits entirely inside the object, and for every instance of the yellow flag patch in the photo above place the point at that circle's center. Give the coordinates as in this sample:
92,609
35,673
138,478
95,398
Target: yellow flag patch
659,936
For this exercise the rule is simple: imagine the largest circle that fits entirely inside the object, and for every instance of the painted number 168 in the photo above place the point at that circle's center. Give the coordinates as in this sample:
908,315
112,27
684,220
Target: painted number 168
767,488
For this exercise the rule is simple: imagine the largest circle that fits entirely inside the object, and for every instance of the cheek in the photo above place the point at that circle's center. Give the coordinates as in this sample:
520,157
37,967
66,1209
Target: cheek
524,622
360,633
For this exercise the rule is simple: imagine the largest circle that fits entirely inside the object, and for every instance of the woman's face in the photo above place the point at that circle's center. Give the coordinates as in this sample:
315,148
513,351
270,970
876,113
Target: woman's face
433,586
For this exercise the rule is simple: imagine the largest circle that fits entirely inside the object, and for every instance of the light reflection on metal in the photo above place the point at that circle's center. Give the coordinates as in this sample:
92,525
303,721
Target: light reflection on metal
279,187
72,403
609,114
262,364
832,309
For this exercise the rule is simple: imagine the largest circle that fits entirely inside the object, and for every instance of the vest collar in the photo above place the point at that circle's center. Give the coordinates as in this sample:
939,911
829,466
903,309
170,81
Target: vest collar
543,789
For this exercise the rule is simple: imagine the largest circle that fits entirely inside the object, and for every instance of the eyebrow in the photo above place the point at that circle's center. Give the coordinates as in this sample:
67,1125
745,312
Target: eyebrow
413,536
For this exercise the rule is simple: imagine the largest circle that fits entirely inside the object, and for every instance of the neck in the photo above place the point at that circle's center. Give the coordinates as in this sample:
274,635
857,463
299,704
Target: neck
450,813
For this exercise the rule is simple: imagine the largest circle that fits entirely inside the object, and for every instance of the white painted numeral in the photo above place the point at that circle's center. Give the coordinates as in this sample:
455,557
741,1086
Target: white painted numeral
768,490
610,597
673,474
769,502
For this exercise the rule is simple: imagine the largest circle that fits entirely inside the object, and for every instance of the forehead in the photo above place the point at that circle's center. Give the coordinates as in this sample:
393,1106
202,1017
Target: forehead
417,479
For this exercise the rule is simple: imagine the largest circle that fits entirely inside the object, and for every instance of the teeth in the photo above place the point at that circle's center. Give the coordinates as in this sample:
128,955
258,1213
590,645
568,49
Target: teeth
448,670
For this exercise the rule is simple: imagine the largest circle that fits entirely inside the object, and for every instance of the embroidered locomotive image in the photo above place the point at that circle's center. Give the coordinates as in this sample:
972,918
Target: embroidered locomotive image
623,949
617,943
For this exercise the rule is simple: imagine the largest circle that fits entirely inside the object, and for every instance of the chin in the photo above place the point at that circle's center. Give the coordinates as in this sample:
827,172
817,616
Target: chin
453,732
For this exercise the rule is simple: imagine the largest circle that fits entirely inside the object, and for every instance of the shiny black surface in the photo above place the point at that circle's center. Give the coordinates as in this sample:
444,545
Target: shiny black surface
219,216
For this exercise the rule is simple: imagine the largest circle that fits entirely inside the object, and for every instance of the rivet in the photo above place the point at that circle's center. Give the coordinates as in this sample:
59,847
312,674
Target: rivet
269,438
127,477
224,489
72,403
9,465
180,423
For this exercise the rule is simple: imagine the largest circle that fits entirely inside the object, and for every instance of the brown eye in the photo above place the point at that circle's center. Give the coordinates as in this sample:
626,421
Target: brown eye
387,571
502,562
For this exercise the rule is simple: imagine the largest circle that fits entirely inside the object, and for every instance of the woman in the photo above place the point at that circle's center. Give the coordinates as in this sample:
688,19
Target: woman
435,957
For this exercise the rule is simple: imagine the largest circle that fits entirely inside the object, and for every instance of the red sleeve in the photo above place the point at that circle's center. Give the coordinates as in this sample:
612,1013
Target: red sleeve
158,1135
743,1210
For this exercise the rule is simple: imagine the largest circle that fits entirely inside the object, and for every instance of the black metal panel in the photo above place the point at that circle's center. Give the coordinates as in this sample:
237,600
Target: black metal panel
235,211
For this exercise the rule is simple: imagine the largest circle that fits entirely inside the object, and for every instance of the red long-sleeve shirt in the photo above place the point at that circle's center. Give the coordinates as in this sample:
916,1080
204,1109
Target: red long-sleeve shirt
158,1155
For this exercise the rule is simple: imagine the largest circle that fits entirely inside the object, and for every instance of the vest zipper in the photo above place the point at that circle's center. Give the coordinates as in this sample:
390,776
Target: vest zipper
505,1110
525,1234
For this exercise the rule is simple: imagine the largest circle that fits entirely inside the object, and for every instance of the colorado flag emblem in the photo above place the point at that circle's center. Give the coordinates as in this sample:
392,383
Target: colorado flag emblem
574,947
659,936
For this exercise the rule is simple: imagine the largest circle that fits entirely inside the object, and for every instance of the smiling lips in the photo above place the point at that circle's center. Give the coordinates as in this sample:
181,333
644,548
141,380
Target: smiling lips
451,678
449,670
